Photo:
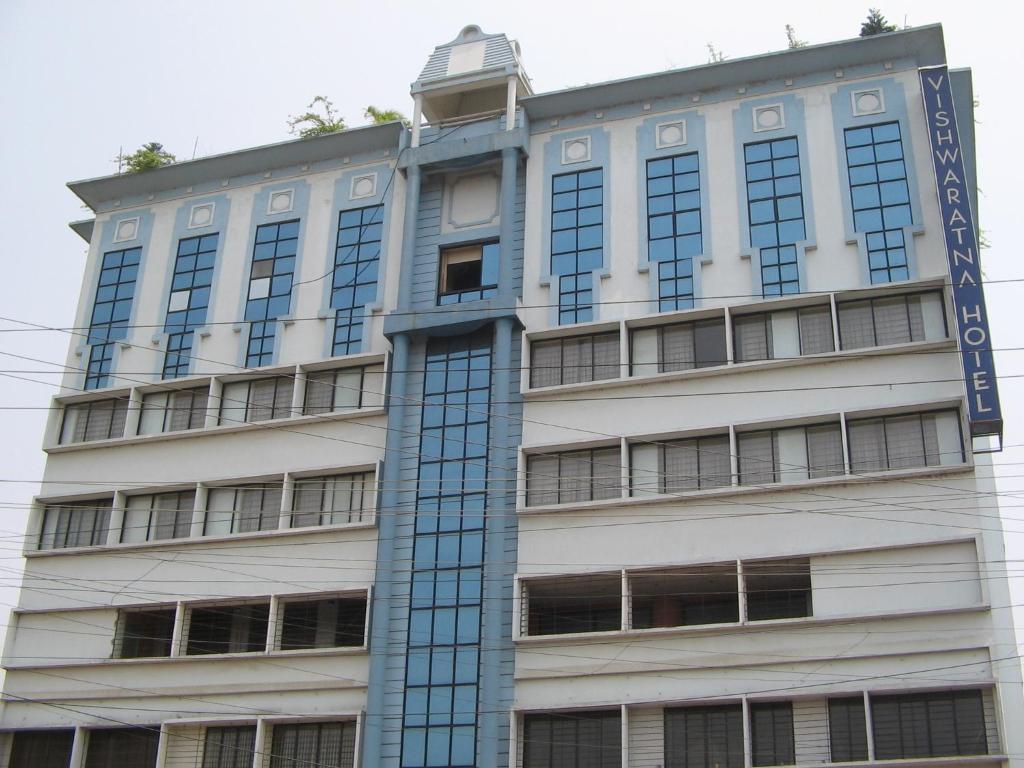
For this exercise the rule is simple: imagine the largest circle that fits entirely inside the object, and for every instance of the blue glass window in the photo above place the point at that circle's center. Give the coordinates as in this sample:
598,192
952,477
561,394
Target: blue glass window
111,310
775,208
356,267
577,241
880,197
189,300
674,226
439,725
270,287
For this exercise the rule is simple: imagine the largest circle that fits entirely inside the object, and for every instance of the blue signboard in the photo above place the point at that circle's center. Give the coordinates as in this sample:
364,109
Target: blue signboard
983,410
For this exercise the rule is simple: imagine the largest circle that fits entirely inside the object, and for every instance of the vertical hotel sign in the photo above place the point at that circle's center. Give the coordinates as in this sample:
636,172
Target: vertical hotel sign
973,336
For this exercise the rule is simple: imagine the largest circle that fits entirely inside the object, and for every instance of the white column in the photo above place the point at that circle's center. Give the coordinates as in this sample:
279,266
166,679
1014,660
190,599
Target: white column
161,747
259,758
199,511
748,754
741,587
284,517
78,747
624,467
417,115
624,601
510,104
177,634
299,392
869,729
131,419
272,614
624,725
835,320
729,352
213,403
116,519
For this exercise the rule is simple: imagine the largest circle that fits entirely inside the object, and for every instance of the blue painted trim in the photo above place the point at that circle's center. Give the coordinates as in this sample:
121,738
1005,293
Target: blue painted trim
478,235
106,244
507,228
387,524
647,149
343,201
181,231
600,157
743,134
497,659
300,211
410,226
895,111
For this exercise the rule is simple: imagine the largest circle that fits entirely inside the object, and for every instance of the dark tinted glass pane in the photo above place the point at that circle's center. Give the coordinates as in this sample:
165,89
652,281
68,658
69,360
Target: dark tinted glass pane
847,729
576,740
42,749
147,633
704,737
122,748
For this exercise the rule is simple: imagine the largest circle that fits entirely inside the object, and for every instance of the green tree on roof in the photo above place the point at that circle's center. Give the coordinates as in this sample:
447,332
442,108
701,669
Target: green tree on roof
318,119
876,24
148,156
378,116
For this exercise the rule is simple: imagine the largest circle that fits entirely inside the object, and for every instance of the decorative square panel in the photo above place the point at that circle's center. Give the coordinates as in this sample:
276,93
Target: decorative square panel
364,185
770,117
179,301
670,134
281,202
576,150
869,101
126,229
200,215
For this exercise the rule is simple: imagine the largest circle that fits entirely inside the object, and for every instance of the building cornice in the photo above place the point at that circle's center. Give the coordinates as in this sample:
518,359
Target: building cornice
924,45
296,152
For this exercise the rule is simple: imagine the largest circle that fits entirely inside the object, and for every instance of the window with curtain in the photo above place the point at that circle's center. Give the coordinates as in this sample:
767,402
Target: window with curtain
573,476
574,359
704,737
242,402
324,745
572,740
153,517
95,420
243,509
332,499
174,411
76,524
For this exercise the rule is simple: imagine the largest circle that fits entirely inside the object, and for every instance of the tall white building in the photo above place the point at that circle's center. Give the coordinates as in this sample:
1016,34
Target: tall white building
639,424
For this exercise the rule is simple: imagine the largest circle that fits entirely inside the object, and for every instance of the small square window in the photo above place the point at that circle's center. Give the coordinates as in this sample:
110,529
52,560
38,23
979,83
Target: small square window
468,272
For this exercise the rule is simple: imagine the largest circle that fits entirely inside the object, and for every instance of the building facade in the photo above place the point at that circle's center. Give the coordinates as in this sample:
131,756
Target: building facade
639,424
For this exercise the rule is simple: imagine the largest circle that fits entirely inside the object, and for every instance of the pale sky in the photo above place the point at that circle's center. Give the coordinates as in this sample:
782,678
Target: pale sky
81,80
